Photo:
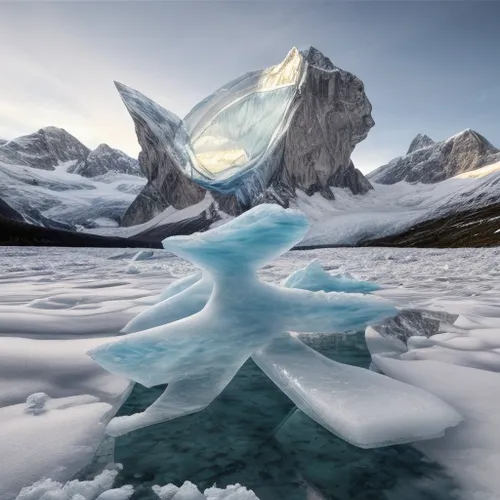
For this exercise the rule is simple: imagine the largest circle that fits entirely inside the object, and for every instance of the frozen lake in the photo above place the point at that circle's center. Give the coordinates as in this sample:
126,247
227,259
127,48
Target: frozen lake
56,303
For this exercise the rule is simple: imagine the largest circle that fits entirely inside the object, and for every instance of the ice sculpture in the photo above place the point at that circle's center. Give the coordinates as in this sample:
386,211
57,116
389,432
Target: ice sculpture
260,137
209,329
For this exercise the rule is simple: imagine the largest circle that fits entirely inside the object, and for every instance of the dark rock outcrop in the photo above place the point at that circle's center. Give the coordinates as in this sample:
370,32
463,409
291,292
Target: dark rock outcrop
328,116
419,142
19,233
104,159
8,212
478,227
333,115
429,162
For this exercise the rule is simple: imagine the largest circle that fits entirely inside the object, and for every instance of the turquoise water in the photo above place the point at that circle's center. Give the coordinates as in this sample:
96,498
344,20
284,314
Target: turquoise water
253,435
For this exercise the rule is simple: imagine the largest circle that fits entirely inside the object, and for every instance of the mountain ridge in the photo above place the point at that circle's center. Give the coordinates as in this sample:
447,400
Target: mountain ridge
430,162
53,180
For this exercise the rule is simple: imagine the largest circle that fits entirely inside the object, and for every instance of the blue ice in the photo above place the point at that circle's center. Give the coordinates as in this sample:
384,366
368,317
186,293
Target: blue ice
214,323
314,278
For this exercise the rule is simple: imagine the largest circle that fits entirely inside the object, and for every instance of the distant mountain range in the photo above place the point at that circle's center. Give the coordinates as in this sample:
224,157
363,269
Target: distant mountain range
52,180
439,193
280,135
428,162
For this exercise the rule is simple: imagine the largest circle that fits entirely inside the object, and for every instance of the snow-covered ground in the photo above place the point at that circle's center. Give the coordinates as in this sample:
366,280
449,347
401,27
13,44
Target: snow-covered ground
392,209
56,303
349,219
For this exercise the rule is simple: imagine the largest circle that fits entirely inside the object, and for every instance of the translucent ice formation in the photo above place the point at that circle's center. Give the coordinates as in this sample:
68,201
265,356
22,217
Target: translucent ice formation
362,407
314,278
197,339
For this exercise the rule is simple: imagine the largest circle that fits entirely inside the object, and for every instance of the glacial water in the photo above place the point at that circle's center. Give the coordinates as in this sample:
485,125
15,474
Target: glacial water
252,434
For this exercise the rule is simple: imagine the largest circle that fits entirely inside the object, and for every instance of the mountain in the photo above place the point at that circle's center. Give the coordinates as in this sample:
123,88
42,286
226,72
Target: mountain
104,159
45,149
462,210
428,162
260,138
52,180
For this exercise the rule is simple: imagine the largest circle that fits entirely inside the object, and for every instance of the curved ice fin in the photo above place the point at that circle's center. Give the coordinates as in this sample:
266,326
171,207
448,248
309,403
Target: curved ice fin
184,301
179,286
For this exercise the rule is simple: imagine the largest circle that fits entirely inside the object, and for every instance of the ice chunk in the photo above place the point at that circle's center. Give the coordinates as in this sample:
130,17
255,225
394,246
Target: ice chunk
198,355
232,492
35,403
122,493
132,270
314,278
188,491
99,488
143,255
362,407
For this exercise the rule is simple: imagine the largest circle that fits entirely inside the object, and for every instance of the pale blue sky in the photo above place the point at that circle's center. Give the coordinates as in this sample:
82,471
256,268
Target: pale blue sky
428,66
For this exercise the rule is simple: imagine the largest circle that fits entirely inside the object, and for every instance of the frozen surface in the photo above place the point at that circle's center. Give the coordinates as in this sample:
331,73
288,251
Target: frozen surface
201,350
458,361
143,255
50,388
81,294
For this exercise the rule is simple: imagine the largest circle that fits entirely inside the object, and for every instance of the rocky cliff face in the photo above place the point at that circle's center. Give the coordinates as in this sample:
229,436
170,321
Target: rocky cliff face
323,114
333,115
429,162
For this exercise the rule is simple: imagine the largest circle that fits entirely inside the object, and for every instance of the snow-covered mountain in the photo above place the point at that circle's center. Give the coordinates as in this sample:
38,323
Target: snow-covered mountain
396,205
51,179
427,161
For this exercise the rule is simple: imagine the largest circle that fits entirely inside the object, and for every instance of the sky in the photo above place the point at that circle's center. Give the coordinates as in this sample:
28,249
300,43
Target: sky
428,66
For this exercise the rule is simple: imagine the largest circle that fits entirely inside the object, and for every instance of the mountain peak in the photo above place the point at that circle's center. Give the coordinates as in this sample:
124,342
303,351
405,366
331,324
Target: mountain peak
316,58
419,142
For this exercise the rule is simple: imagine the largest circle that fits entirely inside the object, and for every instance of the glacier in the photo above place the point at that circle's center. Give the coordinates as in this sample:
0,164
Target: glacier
198,339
